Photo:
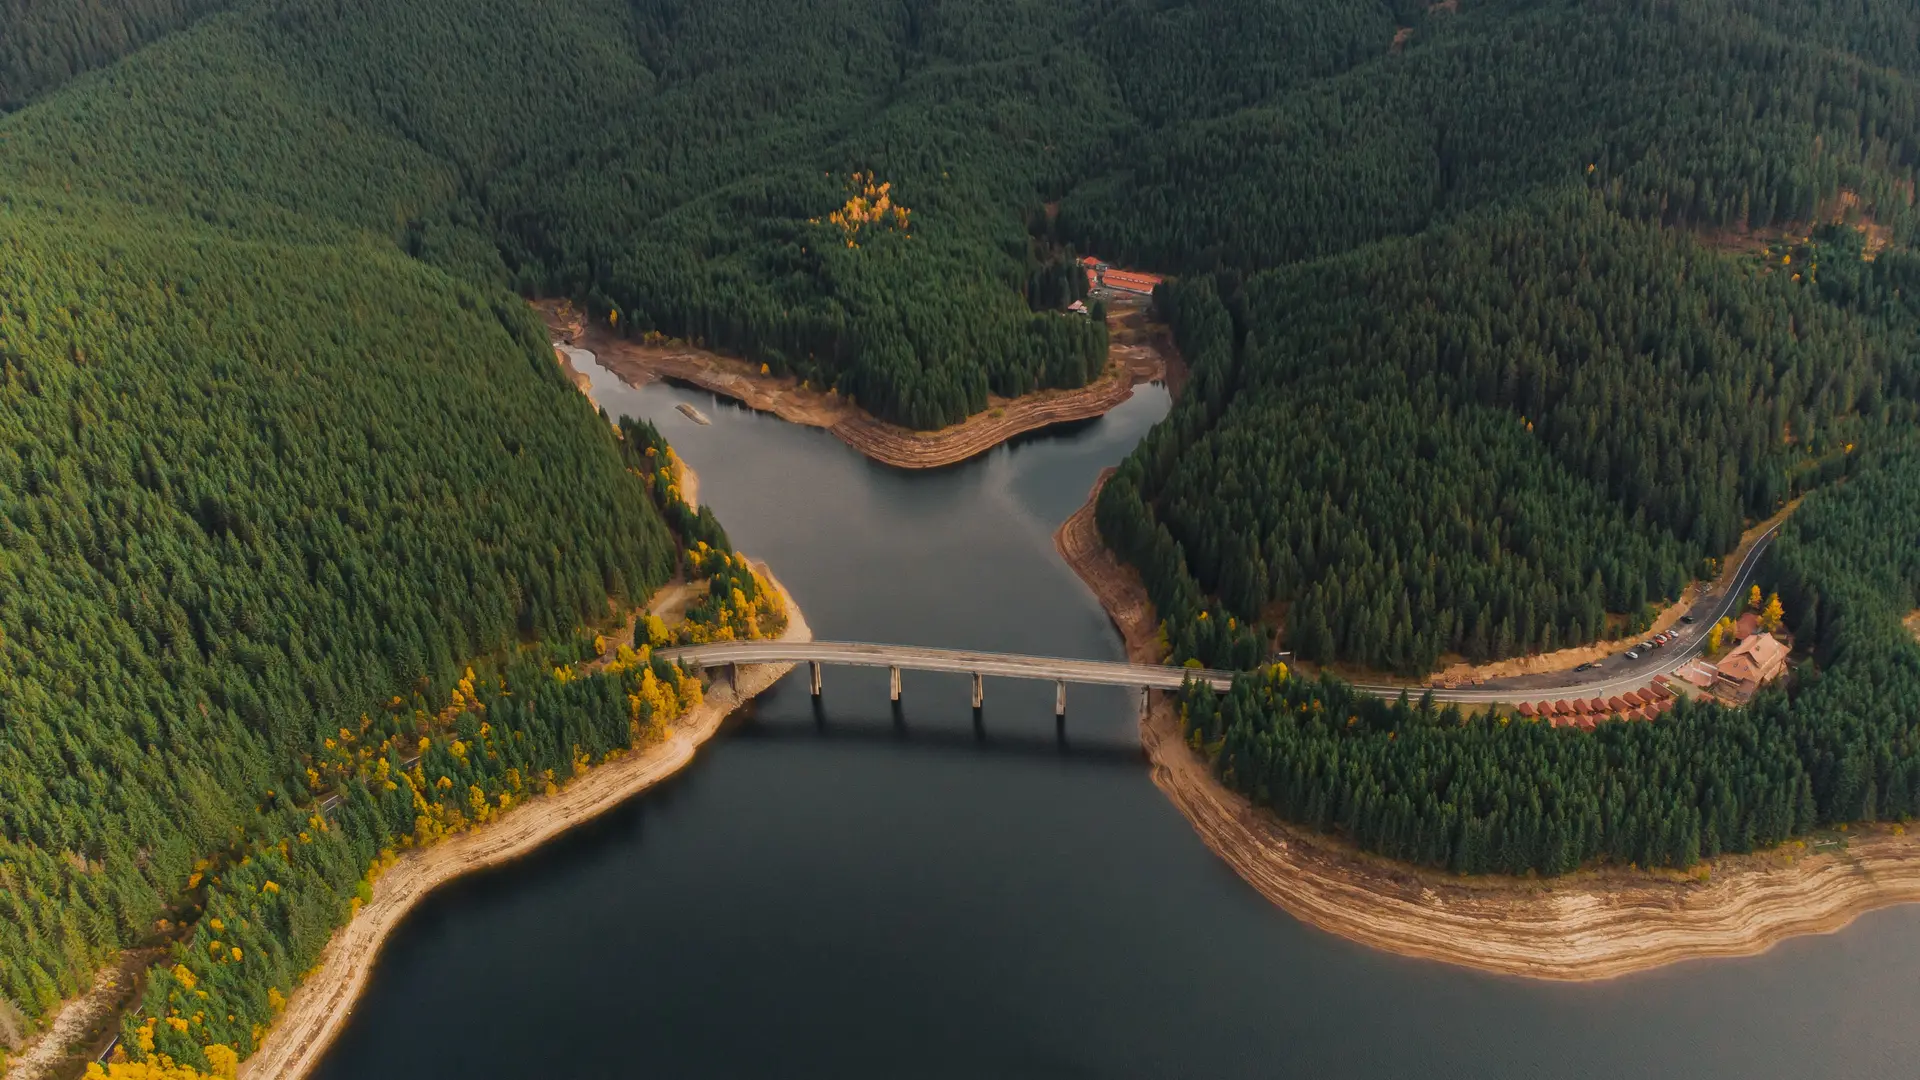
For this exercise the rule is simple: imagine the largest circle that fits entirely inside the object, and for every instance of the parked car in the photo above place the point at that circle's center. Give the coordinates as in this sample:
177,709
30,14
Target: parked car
1632,655
1646,646
1588,666
1686,618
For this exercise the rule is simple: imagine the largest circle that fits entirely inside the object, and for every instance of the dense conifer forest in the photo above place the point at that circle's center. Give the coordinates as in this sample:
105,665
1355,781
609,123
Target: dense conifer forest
1485,794
1504,318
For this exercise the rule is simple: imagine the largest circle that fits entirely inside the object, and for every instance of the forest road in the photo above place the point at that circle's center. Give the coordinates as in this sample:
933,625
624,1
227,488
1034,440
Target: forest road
1622,674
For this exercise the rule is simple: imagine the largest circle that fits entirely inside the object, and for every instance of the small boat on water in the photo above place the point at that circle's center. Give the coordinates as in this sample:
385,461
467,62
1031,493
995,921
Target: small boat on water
693,414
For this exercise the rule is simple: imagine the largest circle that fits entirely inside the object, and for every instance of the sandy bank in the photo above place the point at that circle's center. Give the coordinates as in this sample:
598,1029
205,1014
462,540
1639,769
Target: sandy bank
85,1023
688,481
1137,352
319,1009
1591,925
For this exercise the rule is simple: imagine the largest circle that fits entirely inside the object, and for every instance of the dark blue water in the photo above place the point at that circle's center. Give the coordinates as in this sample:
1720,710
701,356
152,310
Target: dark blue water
853,894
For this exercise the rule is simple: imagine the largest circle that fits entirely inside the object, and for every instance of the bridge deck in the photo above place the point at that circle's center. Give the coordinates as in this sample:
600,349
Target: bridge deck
958,661
1015,666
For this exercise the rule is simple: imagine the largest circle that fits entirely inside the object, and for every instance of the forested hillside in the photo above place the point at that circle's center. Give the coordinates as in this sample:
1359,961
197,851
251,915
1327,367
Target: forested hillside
251,490
1482,440
1543,309
43,43
1483,795
1504,318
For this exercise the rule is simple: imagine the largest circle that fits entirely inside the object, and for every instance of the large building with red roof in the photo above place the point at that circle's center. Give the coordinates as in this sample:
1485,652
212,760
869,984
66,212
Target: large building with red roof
1102,276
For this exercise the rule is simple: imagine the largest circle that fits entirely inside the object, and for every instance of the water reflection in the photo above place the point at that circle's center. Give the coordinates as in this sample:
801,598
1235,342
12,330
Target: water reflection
979,739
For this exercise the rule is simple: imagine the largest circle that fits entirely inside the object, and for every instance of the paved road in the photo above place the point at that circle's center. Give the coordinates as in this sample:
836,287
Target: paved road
1615,675
958,661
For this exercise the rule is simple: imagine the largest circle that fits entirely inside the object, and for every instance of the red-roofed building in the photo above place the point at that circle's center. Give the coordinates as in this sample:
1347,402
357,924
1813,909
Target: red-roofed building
1752,663
1526,709
1129,281
1102,276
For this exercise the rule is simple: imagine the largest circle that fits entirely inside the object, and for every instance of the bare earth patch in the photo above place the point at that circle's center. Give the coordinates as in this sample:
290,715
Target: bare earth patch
1594,924
1844,209
1913,624
1137,352
84,1024
319,1009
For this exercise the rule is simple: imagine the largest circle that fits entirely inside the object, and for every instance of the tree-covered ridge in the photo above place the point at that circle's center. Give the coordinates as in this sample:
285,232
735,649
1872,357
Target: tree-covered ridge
1692,112
417,769
585,150
47,42
678,163
248,490
1485,794
1482,439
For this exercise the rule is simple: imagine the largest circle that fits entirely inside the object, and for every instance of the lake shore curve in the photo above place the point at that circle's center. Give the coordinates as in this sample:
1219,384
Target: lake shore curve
1138,351
1590,925
320,1007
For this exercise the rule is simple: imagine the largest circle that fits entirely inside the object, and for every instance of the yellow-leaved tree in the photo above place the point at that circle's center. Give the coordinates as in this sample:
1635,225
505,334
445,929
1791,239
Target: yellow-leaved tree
1773,614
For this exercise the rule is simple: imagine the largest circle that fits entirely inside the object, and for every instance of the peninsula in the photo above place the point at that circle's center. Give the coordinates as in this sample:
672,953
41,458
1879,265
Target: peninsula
1138,351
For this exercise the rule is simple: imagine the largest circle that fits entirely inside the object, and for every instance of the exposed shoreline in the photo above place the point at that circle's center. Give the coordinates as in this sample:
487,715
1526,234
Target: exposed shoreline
1585,926
1137,352
320,1007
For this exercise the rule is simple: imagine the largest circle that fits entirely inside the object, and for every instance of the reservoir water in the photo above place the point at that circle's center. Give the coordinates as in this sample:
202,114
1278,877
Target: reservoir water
850,893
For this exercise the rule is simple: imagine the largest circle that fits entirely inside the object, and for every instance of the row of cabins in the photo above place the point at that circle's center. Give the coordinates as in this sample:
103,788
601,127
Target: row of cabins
1586,712
1102,276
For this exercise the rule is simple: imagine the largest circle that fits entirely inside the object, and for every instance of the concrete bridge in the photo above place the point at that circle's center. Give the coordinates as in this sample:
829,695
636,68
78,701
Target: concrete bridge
1061,671
895,658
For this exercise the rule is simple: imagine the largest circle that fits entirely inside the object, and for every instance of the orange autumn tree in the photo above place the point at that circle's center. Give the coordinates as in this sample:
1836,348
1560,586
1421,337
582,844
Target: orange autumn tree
868,206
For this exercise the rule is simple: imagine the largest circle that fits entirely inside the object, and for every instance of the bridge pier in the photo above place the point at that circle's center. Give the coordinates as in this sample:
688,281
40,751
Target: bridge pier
815,666
733,678
979,691
1059,698
893,679
1146,701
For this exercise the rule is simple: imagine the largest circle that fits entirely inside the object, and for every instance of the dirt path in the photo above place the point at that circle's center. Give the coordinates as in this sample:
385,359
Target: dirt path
81,1028
320,1008
1137,352
1590,925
